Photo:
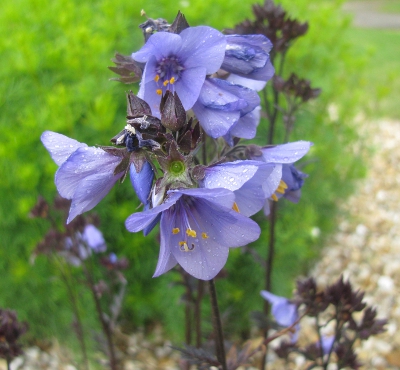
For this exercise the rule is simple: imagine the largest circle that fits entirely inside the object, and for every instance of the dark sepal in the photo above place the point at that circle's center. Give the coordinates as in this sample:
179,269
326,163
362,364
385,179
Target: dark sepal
173,115
185,142
129,70
118,152
198,172
139,159
123,166
137,106
179,24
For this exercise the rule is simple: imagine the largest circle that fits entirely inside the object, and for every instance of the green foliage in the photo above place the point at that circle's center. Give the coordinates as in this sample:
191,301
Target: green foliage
54,59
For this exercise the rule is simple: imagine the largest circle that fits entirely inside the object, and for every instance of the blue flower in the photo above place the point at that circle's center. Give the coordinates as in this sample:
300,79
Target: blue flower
87,174
247,58
94,239
294,179
246,179
221,104
284,312
179,63
80,246
197,227
285,155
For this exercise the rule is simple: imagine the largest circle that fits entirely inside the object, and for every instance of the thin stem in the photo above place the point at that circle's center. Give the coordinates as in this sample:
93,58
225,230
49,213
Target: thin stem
75,309
105,326
219,338
197,311
268,271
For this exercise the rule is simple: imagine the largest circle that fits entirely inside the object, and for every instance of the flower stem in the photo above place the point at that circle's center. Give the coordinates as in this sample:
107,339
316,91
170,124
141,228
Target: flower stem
197,311
219,338
104,324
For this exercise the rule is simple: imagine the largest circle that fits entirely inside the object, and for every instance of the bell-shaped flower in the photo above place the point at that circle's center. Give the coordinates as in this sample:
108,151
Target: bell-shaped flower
179,62
221,104
86,174
245,127
197,228
284,155
246,179
294,179
284,312
247,58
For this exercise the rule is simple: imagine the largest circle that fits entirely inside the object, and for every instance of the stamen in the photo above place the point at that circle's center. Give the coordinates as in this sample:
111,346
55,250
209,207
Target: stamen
282,187
191,233
159,92
172,80
204,235
175,230
184,247
156,78
274,197
165,83
235,207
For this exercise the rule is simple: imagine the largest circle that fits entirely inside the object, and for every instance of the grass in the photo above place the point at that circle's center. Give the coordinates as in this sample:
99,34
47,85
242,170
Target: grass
381,80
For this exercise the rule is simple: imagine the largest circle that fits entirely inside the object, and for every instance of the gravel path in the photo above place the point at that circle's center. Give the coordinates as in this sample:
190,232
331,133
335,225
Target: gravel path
366,248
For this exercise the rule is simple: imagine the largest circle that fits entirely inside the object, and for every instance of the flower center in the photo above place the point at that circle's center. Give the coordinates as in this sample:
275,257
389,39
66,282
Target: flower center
177,168
168,72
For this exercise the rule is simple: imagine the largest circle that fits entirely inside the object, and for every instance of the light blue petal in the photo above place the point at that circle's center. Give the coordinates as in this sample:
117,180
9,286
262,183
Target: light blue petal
59,146
202,46
286,153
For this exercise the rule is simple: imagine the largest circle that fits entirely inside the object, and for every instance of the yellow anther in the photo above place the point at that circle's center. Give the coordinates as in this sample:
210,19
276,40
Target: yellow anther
175,230
204,235
281,187
166,82
283,184
235,207
191,233
156,78
172,80
159,91
274,197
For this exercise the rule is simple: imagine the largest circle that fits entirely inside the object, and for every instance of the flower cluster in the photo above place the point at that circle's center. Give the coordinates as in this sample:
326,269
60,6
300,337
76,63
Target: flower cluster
197,86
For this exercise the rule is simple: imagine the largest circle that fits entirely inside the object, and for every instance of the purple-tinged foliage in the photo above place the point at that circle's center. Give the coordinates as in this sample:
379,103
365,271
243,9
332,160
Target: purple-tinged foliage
179,63
10,331
198,226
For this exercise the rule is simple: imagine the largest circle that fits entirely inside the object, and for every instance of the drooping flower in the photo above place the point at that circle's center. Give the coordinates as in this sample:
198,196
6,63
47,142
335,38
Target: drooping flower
198,226
86,174
179,63
247,58
285,155
284,312
246,179
294,179
221,104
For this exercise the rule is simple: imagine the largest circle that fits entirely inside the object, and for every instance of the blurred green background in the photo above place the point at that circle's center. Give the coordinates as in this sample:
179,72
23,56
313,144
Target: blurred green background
54,76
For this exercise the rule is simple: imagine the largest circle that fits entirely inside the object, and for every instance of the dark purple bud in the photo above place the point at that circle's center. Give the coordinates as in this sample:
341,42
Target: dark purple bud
179,24
173,115
136,106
